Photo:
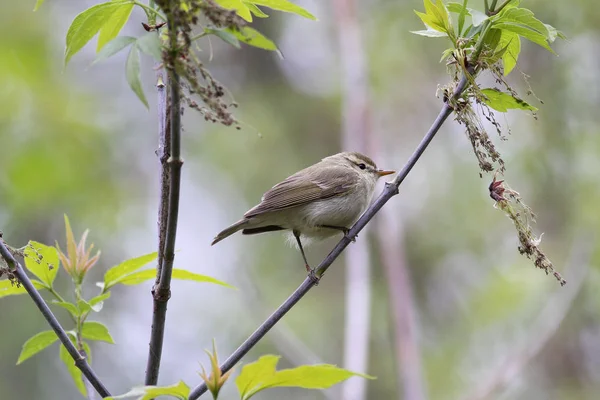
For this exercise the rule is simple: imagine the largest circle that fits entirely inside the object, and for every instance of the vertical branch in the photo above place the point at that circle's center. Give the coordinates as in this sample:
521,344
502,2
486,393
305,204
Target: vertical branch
162,289
402,307
355,125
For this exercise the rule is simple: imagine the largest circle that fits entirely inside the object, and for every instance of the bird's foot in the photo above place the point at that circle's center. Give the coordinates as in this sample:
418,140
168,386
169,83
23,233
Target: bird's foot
312,275
347,234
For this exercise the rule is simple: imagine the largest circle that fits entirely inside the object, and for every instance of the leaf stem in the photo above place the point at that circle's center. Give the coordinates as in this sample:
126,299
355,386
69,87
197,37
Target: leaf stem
493,6
80,361
149,10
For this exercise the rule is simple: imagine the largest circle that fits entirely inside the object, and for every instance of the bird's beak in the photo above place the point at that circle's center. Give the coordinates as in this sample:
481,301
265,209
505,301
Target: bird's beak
384,173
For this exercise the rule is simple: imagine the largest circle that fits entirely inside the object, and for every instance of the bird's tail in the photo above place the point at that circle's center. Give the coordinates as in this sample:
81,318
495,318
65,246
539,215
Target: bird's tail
229,231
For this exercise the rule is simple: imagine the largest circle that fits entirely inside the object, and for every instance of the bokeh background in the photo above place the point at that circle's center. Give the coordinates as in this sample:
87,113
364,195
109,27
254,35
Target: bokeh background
433,299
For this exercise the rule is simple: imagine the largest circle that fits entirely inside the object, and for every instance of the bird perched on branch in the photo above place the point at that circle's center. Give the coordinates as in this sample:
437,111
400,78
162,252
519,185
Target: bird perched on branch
316,202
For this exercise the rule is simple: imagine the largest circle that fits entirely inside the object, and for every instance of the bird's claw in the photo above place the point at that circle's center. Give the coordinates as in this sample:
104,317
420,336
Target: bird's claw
347,234
313,276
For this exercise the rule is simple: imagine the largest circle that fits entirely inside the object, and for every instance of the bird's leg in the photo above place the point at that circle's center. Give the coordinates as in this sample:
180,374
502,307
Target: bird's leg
340,228
311,272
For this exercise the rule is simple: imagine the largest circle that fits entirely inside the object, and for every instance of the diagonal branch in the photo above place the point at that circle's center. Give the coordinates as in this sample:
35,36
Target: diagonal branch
162,289
391,189
80,361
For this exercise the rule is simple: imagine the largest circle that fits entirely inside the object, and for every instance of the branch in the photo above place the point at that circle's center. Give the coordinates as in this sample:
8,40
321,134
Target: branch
162,289
391,189
80,361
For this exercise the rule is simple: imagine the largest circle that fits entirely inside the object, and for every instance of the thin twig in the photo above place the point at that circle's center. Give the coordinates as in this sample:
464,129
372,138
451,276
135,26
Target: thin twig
390,190
355,137
162,290
80,361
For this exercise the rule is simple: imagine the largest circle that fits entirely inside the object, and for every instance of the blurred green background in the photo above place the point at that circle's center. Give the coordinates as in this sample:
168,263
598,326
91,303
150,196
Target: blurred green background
452,311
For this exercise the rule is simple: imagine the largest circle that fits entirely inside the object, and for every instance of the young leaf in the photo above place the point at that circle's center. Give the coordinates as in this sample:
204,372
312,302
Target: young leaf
553,33
113,47
182,274
254,38
132,73
240,8
38,4
511,43
477,16
261,375
527,33
115,274
87,24
70,307
285,6
8,289
430,33
83,306
461,16
113,26
179,391
96,303
93,330
224,35
502,102
149,44
257,12
73,370
430,22
458,8
44,263
522,16
36,344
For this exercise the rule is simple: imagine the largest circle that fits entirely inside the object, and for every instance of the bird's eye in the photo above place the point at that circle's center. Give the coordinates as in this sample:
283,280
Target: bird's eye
362,166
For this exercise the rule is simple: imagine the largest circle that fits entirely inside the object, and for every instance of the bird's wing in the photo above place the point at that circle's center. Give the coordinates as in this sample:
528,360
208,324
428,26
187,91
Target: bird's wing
298,189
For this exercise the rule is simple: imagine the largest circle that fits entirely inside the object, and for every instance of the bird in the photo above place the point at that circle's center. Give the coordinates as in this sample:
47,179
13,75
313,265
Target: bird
314,203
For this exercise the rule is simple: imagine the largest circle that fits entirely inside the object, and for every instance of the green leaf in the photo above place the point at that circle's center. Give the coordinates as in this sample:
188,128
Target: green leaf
527,33
113,26
261,375
461,16
149,44
430,22
181,274
73,370
240,8
93,330
87,24
502,102
252,37
179,390
511,43
285,6
46,268
36,344
132,73
70,307
96,303
522,16
113,47
8,289
553,33
225,36
84,306
38,4
88,352
115,274
257,12
458,8
430,33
